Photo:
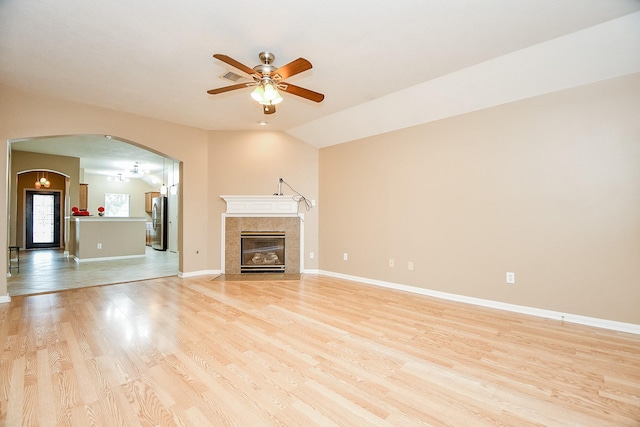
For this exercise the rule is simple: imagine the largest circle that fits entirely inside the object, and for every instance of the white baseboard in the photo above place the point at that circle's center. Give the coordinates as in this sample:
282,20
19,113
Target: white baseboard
539,312
219,272
107,258
5,298
199,273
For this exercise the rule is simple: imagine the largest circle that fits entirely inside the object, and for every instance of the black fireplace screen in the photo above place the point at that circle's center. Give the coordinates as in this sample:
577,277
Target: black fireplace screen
262,251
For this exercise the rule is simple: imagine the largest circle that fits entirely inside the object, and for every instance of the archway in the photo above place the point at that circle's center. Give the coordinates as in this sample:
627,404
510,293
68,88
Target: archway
29,227
110,165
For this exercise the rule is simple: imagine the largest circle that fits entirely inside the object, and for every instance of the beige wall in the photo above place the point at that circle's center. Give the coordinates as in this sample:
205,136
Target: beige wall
548,188
250,163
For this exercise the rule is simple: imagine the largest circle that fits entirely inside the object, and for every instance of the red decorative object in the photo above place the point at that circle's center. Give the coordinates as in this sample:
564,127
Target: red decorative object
79,212
100,209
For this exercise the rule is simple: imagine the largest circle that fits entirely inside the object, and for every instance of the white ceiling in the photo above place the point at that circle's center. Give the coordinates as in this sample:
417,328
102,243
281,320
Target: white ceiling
154,57
105,155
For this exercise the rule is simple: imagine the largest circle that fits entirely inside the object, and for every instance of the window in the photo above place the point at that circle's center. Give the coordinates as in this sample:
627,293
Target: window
116,204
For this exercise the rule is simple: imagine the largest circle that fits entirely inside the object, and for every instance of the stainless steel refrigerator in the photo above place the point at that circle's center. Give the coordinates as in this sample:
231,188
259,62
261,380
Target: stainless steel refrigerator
159,221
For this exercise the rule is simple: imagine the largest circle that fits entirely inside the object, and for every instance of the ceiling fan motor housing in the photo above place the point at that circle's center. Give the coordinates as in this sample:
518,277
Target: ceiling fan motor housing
267,59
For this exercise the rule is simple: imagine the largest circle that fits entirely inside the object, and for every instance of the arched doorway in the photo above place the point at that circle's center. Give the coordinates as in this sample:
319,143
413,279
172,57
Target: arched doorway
105,165
41,196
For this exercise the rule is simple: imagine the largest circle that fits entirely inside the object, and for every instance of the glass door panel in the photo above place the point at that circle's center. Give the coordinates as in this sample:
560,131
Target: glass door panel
43,218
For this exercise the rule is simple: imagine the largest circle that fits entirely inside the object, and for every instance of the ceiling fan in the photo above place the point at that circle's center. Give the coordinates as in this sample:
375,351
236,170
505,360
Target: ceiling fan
267,80
136,169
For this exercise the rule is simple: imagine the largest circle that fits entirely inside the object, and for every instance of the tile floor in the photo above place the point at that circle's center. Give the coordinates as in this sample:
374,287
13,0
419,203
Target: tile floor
49,270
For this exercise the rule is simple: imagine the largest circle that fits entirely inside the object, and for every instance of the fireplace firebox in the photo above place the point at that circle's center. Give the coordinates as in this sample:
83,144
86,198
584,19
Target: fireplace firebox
262,252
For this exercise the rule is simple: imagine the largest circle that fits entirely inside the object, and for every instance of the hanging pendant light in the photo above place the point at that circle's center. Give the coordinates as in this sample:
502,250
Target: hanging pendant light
42,181
163,188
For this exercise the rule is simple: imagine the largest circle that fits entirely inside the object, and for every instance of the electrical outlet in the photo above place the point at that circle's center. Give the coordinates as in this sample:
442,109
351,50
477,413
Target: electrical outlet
313,202
410,266
511,277
345,256
99,245
392,263
311,255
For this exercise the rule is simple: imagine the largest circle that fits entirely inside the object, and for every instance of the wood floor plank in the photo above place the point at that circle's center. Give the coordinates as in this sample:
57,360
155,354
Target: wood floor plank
318,351
46,404
17,393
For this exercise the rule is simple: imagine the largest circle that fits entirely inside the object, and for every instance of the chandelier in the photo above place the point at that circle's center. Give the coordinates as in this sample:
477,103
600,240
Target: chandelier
42,182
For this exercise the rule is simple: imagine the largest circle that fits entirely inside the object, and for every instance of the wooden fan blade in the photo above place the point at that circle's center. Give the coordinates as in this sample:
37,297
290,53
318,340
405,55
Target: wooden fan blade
292,68
227,88
300,91
235,64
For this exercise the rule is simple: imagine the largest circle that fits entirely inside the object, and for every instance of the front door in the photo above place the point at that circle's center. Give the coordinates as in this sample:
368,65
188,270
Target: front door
42,219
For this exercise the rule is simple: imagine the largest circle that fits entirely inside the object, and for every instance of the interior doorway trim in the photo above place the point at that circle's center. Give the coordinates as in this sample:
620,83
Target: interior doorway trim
59,217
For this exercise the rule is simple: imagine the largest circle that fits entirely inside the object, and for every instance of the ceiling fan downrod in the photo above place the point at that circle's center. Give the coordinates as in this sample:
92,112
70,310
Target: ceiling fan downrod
267,59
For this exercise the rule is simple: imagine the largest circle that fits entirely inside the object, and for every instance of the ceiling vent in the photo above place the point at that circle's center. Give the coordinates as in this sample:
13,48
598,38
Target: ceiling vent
233,77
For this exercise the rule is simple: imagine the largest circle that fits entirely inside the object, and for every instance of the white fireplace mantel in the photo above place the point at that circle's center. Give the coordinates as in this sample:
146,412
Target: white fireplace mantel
261,205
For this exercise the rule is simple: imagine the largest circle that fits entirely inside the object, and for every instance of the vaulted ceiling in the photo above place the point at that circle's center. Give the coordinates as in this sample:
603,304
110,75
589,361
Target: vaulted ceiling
154,57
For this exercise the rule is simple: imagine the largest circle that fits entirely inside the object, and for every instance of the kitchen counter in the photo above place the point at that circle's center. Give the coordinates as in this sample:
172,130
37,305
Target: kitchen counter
99,238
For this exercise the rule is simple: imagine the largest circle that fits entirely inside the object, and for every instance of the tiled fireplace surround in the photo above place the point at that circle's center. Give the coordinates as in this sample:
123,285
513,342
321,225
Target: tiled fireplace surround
261,213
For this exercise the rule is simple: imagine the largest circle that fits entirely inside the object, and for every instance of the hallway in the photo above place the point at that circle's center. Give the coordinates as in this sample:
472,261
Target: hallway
50,270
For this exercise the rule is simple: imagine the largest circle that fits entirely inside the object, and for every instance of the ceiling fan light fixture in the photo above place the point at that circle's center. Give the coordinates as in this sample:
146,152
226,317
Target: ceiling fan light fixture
258,93
270,92
277,99
266,93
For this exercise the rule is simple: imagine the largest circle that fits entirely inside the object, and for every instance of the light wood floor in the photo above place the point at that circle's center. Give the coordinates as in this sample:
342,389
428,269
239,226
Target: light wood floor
48,270
315,352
